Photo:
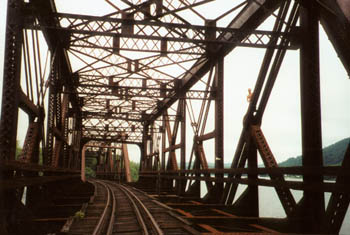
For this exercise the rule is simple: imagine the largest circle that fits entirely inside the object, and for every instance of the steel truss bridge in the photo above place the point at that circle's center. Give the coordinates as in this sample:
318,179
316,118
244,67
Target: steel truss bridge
147,73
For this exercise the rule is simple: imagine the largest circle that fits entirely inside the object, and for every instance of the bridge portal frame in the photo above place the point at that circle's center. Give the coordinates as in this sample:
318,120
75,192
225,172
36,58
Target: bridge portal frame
64,139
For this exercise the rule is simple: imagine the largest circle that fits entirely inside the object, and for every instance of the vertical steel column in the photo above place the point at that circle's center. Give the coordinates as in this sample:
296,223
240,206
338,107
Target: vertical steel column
111,160
182,185
143,165
150,155
66,147
78,137
253,189
163,143
126,163
10,102
219,123
11,80
52,106
82,171
313,204
248,202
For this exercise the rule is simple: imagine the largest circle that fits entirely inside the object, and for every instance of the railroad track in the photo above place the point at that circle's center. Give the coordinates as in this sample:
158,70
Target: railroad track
131,209
93,219
118,209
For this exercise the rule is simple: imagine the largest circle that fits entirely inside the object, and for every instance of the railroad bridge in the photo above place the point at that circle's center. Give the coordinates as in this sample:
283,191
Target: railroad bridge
150,73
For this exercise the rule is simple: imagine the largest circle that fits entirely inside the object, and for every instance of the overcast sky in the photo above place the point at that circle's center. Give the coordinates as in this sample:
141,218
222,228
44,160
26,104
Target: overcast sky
281,122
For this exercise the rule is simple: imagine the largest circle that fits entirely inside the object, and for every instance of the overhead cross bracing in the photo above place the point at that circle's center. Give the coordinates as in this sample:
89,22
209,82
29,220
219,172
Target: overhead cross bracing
167,45
109,78
151,73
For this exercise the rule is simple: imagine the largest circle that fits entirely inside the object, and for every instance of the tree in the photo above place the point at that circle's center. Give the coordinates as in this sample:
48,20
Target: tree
134,170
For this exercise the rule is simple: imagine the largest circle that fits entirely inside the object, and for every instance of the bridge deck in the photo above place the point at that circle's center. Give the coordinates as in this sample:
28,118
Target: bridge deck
172,214
117,209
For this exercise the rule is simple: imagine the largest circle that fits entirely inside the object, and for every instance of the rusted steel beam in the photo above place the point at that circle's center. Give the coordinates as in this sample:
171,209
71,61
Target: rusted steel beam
153,154
182,183
297,170
172,157
137,93
337,27
31,167
316,187
230,190
277,62
249,41
149,157
81,25
201,158
58,134
83,21
205,137
57,154
252,15
249,199
163,131
99,146
269,160
111,161
189,206
339,202
60,69
103,115
313,207
31,181
11,80
102,138
53,102
172,148
219,124
27,105
144,148
126,162
83,164
30,151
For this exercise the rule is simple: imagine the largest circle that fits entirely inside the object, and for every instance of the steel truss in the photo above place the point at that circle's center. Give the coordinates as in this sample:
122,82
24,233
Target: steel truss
90,85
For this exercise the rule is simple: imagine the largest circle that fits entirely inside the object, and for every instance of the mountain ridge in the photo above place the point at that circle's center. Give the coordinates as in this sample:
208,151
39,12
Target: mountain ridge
332,155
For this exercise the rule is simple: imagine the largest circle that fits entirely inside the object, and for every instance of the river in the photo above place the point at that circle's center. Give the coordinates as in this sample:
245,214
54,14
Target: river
268,195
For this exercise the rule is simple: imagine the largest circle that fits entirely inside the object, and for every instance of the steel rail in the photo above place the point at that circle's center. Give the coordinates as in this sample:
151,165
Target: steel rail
103,217
136,210
133,198
154,223
112,218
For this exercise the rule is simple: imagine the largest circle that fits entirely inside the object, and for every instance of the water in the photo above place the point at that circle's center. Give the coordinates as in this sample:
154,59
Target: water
267,195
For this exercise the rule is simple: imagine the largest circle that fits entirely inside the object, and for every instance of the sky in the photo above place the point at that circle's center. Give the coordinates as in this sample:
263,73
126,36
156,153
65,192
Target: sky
281,123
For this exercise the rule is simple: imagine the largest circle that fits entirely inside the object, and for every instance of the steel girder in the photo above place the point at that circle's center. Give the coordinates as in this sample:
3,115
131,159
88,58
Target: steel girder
98,90
11,81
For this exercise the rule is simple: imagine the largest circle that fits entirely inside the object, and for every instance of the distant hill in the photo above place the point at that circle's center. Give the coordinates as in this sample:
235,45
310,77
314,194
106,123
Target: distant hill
332,155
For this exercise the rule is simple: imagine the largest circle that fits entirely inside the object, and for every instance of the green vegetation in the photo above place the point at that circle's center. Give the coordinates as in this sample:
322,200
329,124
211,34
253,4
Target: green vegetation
332,155
91,162
90,167
90,173
18,150
134,170
79,215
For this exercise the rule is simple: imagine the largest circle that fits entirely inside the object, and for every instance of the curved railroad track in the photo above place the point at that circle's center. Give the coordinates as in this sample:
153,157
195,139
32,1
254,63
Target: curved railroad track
118,209
146,222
